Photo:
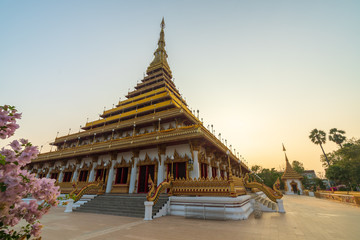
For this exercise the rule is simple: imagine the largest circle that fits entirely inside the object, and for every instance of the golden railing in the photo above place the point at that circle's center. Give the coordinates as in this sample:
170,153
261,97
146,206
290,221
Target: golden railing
272,193
197,187
231,187
207,187
341,196
75,187
89,188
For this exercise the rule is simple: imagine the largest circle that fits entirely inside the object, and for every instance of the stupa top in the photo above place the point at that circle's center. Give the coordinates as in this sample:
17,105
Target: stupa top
160,55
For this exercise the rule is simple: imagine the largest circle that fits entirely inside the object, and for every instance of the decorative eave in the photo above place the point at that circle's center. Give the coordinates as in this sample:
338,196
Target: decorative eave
214,141
124,124
154,138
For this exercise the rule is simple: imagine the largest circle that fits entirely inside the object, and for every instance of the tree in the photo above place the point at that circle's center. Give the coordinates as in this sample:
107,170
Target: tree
298,167
336,136
256,169
269,176
319,183
17,183
319,137
345,168
306,182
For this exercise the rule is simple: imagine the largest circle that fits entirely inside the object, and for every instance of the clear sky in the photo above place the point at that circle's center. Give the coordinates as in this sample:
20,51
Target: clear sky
262,72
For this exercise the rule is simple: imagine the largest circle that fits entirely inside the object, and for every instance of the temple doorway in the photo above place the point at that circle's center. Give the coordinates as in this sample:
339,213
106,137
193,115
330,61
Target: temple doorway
144,172
294,187
101,175
204,170
178,170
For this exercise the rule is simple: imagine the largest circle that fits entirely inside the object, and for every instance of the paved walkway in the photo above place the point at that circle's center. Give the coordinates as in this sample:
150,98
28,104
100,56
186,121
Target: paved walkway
305,218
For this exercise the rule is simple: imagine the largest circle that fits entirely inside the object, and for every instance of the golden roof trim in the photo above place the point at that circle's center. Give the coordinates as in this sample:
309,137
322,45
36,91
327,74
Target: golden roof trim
164,136
126,123
289,172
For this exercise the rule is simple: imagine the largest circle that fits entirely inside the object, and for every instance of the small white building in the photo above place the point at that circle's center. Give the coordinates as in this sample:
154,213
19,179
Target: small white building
292,179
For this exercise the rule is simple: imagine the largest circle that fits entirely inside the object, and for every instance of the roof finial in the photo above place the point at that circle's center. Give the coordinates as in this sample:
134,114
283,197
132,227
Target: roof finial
160,54
162,24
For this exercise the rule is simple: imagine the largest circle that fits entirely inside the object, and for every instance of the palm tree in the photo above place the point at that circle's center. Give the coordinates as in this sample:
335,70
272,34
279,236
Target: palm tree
336,136
319,137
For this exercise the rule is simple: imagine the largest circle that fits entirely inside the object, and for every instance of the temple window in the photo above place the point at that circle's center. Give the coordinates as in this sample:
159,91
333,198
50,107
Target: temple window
83,175
121,175
42,175
100,174
67,176
54,176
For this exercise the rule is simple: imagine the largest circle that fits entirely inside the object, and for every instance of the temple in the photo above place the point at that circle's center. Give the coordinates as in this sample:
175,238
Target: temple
143,138
292,179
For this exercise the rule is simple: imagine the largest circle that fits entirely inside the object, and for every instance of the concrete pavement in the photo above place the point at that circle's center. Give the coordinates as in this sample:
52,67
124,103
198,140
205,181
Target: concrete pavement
305,218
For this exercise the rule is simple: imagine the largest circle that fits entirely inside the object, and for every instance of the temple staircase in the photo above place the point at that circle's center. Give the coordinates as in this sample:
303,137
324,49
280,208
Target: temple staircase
130,205
266,204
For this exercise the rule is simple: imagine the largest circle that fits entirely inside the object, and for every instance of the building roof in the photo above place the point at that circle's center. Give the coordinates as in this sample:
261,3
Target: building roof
309,173
154,101
290,173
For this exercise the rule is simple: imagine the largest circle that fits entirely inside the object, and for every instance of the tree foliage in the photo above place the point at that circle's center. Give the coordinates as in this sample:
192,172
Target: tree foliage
269,176
318,137
345,164
337,136
256,169
298,167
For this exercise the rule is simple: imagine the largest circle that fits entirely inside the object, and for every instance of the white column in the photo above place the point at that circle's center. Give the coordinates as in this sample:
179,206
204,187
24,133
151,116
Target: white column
148,210
161,169
74,177
133,176
218,170
92,173
61,175
37,173
48,174
110,177
209,170
280,205
195,172
69,205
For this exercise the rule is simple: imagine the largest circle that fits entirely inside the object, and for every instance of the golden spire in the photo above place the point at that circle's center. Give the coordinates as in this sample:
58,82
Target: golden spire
160,54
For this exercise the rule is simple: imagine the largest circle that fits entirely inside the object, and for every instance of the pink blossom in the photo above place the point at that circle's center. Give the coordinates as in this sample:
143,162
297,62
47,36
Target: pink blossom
23,141
36,229
19,182
15,145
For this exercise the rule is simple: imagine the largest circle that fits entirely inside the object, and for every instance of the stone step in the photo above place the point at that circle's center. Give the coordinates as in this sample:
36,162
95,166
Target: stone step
273,206
117,211
138,215
131,205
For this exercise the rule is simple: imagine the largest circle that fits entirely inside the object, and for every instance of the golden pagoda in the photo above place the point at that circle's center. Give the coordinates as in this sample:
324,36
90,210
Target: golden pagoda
150,134
292,179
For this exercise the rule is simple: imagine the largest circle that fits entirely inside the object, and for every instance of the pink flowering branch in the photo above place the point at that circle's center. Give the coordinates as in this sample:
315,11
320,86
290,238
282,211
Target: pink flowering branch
17,183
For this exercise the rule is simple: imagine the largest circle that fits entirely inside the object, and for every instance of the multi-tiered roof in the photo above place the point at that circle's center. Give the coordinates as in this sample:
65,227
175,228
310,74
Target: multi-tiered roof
290,173
155,100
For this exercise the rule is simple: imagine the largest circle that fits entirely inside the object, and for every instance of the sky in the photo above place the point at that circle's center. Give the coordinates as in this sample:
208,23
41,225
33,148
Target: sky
262,73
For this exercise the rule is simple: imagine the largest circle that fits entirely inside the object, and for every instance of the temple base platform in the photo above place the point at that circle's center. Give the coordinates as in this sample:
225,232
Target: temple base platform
220,208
